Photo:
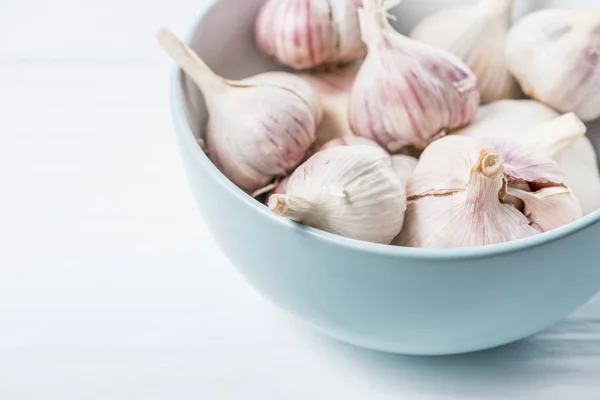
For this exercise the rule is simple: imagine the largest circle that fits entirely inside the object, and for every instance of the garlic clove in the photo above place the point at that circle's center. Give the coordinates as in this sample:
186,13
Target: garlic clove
477,35
542,129
309,34
475,191
351,191
276,117
549,208
569,41
333,89
407,93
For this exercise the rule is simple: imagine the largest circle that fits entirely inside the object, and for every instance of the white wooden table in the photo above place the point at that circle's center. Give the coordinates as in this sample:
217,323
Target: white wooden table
112,288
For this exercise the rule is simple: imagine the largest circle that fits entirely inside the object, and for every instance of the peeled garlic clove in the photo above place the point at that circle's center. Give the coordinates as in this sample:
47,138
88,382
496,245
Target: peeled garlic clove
348,141
333,89
311,33
555,56
477,35
259,128
540,128
407,93
351,191
458,194
404,166
549,208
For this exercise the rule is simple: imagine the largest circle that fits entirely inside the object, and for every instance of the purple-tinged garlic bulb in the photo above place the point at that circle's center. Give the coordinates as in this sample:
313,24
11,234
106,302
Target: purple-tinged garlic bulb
305,34
540,128
259,128
476,192
407,93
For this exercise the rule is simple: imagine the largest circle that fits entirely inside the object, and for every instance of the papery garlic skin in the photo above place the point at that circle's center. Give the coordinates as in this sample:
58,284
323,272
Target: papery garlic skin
454,195
477,35
555,56
524,121
305,34
407,93
259,128
351,191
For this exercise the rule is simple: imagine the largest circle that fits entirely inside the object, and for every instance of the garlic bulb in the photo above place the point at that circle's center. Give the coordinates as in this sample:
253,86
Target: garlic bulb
351,191
477,35
540,128
469,192
333,89
258,128
404,166
555,56
407,93
310,33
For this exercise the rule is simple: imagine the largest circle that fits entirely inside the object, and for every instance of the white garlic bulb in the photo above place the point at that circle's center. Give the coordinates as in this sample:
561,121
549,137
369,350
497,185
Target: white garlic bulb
555,56
333,89
402,164
351,191
407,93
477,35
469,192
259,128
542,129
311,33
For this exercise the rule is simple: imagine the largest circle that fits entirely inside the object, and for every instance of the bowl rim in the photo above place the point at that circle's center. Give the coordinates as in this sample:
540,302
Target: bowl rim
187,139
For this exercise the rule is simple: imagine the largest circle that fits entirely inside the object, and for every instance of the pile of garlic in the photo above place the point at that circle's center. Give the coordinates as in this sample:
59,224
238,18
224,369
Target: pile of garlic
414,141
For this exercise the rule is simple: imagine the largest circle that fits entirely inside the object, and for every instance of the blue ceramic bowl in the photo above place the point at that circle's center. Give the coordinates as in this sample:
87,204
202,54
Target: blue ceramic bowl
404,300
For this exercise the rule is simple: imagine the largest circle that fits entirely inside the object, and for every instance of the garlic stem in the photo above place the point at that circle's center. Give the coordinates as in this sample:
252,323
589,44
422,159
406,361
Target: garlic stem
486,179
374,20
294,208
556,135
189,61
491,165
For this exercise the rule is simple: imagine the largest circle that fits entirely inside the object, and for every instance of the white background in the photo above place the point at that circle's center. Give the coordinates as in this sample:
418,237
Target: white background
112,288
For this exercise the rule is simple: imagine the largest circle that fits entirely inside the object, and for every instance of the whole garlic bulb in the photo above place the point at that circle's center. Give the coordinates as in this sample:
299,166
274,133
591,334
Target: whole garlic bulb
477,35
259,128
407,93
475,192
333,89
542,129
555,56
305,34
351,191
